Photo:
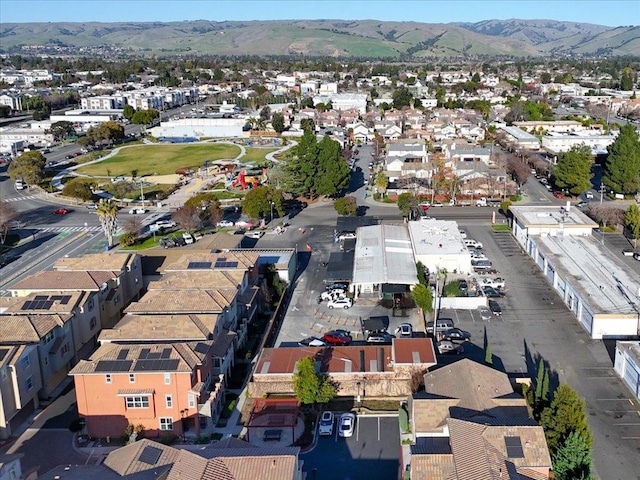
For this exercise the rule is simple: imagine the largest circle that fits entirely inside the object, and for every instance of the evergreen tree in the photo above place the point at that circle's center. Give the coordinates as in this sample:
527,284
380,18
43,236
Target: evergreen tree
310,386
573,170
277,122
632,222
563,417
622,166
423,297
572,461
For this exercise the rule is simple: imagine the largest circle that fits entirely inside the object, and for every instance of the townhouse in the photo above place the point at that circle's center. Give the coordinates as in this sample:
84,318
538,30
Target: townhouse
111,280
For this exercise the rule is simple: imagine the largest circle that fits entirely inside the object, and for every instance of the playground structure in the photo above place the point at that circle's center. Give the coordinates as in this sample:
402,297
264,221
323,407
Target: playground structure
245,181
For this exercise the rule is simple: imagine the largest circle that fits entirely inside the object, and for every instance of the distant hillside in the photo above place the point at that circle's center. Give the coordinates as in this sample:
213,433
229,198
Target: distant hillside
336,38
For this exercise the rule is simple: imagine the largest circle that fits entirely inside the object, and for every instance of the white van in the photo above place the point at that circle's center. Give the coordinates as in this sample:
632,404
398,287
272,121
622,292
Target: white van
19,185
470,242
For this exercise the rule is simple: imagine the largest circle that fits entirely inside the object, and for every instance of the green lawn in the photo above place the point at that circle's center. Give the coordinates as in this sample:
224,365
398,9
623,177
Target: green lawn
256,155
160,159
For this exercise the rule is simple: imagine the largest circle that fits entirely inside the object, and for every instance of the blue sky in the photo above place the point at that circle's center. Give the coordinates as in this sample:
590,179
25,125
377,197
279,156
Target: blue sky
610,13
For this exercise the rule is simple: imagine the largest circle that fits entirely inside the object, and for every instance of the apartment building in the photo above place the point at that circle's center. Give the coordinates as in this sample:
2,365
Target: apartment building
103,102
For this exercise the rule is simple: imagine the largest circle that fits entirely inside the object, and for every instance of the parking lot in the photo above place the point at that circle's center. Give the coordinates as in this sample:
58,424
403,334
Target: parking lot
373,452
535,323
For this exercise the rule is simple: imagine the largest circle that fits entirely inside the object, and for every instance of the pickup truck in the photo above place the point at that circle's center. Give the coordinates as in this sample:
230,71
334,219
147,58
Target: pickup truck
492,282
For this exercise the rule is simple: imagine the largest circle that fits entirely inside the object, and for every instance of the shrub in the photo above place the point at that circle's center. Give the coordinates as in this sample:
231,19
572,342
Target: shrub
127,239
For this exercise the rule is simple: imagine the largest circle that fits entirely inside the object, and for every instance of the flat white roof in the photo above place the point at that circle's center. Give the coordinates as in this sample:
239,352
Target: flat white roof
605,284
436,237
551,216
383,254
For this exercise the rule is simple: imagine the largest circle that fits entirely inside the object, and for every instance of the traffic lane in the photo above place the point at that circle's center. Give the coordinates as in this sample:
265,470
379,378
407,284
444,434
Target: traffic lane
535,322
58,445
43,215
373,452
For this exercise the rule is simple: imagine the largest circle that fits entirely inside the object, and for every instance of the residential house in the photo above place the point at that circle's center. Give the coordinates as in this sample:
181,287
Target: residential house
228,459
20,382
401,155
369,371
469,423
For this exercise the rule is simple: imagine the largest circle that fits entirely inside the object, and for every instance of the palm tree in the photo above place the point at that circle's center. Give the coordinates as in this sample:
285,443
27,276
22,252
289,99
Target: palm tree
108,214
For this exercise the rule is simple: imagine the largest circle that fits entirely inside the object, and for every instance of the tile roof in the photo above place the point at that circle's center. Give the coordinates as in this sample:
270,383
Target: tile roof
433,467
123,358
14,305
245,259
65,280
165,328
28,328
114,261
126,460
177,301
477,386
206,279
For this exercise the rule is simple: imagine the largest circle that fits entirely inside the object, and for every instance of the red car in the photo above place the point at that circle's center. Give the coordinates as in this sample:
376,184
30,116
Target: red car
337,337
558,194
61,211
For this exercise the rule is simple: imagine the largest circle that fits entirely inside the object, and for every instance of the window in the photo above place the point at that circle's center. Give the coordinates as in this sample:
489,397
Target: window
90,304
168,400
29,383
65,349
107,378
26,362
192,400
132,378
48,337
93,323
166,423
167,379
137,402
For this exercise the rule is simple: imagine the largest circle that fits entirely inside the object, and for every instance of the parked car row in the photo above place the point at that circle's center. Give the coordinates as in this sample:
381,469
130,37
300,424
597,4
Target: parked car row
346,424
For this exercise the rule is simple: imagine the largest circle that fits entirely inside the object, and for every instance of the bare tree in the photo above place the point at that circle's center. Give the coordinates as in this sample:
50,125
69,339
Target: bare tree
188,218
606,216
8,214
519,170
133,225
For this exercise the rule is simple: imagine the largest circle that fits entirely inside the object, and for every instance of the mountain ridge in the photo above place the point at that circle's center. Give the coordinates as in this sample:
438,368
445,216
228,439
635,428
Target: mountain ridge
336,38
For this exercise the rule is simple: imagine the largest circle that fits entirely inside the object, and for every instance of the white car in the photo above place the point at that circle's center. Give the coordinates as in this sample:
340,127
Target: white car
405,330
165,224
344,302
224,224
332,294
137,210
347,424
492,282
257,234
326,424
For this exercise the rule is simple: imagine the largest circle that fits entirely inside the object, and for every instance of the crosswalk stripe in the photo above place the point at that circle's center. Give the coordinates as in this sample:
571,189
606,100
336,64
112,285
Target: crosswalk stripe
17,199
71,229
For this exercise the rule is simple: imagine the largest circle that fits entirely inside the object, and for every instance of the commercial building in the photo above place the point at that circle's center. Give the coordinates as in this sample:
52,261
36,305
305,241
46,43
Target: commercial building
600,291
439,246
201,127
627,365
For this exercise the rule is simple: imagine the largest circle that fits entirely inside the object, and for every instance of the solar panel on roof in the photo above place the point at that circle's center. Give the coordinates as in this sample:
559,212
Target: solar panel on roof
144,353
154,356
65,299
198,265
514,447
113,365
150,455
26,305
166,353
156,365
122,354
47,305
41,298
55,298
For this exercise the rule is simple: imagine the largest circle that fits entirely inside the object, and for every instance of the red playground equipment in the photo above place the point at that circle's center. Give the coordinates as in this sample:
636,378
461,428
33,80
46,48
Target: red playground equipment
244,181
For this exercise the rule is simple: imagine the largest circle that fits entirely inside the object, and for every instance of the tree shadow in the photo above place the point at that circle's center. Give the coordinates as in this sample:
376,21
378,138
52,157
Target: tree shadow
362,210
532,362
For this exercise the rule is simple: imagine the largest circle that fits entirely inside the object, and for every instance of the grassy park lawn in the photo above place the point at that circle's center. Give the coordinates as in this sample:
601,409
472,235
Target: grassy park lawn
160,159
256,155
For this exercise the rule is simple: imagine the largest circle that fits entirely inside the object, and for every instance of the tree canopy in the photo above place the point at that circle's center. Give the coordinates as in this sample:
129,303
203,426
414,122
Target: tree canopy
573,170
257,201
316,168
29,166
622,166
108,215
277,122
347,206
632,222
402,97
79,188
144,117
208,206
423,297
565,416
311,387
407,202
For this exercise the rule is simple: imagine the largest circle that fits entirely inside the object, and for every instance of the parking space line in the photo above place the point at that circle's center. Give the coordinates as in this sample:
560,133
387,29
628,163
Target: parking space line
357,429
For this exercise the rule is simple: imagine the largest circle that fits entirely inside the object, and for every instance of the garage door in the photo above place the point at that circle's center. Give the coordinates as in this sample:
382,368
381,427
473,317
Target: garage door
632,375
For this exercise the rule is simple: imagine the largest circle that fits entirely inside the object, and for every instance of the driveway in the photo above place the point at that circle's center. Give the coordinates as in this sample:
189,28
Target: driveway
372,453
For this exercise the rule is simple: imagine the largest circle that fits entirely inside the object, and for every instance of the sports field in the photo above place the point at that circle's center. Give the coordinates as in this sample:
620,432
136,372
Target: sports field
160,159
